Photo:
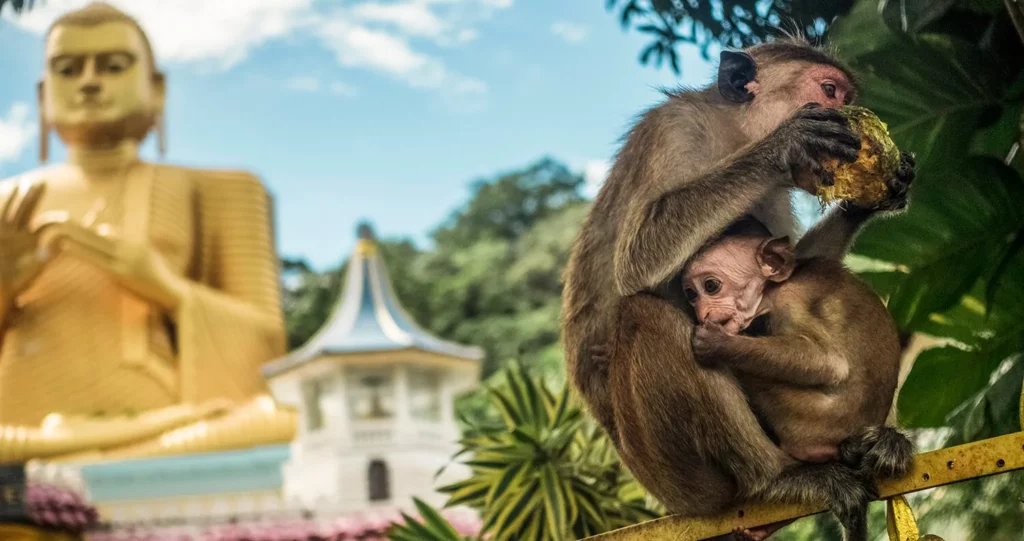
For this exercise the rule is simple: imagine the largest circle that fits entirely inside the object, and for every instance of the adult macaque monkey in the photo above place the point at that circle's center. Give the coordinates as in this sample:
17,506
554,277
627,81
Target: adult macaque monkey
688,168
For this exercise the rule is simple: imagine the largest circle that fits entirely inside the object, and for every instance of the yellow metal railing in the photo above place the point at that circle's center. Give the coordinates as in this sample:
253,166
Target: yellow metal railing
934,469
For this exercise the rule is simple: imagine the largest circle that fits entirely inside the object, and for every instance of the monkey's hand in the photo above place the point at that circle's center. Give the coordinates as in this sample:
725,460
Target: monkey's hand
798,145
898,188
709,341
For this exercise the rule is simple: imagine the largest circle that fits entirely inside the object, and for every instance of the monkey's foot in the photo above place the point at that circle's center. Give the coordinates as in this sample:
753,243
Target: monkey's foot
882,451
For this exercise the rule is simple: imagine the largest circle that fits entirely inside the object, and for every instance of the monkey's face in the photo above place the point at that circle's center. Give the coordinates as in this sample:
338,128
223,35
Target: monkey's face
725,284
780,90
825,85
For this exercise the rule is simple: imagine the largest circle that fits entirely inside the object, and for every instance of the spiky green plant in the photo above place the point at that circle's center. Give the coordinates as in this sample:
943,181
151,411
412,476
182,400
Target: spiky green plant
546,473
434,527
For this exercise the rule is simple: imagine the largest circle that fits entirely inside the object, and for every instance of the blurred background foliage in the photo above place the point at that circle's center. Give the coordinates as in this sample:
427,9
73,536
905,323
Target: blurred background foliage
948,78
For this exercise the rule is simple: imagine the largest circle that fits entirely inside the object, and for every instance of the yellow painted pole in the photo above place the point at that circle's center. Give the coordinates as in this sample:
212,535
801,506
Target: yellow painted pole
934,469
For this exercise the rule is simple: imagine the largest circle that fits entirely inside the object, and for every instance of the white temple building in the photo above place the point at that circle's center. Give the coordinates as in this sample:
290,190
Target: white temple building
375,395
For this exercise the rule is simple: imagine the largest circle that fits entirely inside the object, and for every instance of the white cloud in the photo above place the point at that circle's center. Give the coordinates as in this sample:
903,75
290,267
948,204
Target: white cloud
304,83
414,18
570,32
217,31
594,174
372,35
339,88
16,130
358,46
313,84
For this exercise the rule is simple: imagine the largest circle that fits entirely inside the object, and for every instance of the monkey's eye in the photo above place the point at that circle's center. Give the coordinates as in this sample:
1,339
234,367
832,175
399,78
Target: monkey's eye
829,89
691,294
712,286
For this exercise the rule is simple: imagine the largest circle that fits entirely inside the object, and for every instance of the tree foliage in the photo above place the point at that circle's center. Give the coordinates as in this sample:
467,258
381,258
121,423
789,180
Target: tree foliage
492,277
729,23
948,77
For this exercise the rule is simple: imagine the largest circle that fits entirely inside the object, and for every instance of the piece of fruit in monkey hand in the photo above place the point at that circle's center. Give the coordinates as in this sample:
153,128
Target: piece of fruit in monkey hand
863,182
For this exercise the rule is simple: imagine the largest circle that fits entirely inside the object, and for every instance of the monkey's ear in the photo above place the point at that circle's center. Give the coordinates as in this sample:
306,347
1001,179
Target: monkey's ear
735,71
777,259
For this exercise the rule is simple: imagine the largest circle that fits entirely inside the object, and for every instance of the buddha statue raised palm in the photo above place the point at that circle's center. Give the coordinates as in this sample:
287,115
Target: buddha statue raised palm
137,300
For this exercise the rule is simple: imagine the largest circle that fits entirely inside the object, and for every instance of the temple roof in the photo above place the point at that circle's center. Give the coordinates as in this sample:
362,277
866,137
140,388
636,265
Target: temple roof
368,318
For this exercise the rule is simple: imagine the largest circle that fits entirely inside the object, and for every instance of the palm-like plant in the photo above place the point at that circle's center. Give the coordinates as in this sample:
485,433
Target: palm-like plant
433,527
545,473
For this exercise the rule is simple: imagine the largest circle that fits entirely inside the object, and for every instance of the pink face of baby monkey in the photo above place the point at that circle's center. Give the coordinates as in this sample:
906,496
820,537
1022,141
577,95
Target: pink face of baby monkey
725,282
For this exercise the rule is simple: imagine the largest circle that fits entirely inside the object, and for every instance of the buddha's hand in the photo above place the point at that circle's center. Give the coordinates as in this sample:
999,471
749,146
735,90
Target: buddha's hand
21,259
138,267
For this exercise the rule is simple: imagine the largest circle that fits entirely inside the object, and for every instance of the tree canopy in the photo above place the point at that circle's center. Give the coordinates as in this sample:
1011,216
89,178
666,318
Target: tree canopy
492,277
727,23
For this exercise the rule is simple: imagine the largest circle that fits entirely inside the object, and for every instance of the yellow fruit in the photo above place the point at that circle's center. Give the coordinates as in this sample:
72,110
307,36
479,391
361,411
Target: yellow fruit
863,181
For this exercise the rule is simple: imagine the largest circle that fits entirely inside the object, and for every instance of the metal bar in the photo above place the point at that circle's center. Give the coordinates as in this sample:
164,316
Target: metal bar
934,469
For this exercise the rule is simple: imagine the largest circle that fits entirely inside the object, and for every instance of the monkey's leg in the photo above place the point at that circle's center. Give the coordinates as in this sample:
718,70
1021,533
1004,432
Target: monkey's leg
846,491
687,434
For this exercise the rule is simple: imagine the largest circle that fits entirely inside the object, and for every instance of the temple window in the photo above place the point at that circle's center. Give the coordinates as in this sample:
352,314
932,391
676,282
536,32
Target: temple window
312,394
425,393
371,394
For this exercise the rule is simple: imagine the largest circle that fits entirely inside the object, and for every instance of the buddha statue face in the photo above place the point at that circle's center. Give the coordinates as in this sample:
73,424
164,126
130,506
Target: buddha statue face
100,84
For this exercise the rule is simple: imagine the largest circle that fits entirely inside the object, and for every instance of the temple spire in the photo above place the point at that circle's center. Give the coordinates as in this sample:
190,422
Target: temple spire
369,317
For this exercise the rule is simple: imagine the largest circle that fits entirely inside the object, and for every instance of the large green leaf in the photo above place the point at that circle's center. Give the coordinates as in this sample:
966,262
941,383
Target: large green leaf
860,31
914,15
466,492
994,410
941,380
958,223
932,91
434,521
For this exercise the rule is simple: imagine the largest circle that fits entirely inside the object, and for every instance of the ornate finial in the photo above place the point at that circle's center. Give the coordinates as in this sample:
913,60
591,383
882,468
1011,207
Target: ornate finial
365,231
367,240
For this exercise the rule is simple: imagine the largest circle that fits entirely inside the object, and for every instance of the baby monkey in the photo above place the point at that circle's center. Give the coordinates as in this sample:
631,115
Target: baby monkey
813,348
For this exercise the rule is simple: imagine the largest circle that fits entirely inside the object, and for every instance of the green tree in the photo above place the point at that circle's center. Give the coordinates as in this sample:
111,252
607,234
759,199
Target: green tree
492,277
730,23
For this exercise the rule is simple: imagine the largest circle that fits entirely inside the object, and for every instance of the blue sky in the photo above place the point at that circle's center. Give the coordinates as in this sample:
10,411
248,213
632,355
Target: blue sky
378,109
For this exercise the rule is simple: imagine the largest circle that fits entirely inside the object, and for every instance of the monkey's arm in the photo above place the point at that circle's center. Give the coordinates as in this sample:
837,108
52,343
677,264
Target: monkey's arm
831,237
795,359
661,232
678,209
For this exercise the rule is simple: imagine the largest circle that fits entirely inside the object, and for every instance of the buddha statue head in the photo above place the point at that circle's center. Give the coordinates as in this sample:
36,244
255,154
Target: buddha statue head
100,85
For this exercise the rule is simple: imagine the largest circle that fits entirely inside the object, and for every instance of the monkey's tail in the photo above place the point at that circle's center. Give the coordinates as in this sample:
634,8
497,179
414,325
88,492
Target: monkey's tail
883,451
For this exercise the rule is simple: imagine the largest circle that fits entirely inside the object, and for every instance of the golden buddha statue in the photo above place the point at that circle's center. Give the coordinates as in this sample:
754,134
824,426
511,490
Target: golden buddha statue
137,300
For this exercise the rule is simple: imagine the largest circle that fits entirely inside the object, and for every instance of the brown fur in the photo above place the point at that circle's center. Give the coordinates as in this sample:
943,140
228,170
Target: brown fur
821,363
688,168
827,365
